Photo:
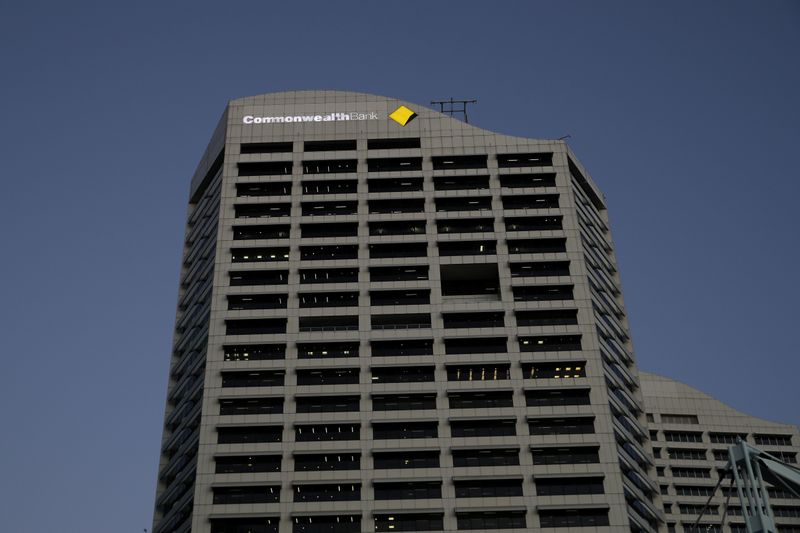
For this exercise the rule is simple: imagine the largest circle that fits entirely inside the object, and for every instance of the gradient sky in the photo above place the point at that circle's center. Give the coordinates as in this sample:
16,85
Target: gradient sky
685,113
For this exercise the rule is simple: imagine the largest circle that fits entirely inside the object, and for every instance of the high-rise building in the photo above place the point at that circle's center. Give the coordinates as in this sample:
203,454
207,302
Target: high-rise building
691,433
391,320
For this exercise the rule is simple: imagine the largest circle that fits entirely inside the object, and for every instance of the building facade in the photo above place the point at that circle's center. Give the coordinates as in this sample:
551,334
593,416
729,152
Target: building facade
390,320
691,433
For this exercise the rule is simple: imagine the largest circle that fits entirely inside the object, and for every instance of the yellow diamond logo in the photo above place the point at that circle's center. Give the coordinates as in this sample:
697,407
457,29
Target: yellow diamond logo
402,115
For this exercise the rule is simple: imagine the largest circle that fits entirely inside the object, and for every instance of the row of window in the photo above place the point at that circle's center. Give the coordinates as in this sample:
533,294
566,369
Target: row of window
408,490
415,401
392,185
387,522
393,460
497,427
762,439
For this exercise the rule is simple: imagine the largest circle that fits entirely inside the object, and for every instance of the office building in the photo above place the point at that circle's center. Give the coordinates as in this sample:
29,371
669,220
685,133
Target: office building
391,320
691,433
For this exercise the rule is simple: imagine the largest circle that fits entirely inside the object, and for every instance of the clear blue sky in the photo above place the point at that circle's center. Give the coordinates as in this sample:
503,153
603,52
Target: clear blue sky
686,114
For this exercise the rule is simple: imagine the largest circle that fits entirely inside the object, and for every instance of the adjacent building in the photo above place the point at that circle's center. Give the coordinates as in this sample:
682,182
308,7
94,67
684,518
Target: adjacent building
391,320
691,433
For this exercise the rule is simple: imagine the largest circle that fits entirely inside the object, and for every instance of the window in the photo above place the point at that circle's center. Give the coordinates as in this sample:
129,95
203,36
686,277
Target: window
253,378
467,203
256,255
242,464
247,278
453,183
403,402
326,432
394,164
486,457
246,434
481,400
518,181
543,159
533,223
335,492
484,372
391,250
566,456
329,275
454,248
403,297
241,302
483,428
773,440
262,210
541,269
404,430
265,168
409,459
561,426
392,348
327,376
392,206
329,323
550,343
327,404
474,320
695,510
474,280
475,345
330,187
679,419
683,436
275,231
700,473
268,188
258,326
328,299
251,406
324,350
573,517
316,462
558,370
401,321
465,225
397,143
408,490
408,522
542,293
726,438
243,495
402,227
330,166
536,246
693,490
265,524
445,162
265,148
254,352
488,488
326,524
569,485
686,454
556,397
491,520
328,230
394,185
404,273
402,374
342,207
531,201
319,253
329,146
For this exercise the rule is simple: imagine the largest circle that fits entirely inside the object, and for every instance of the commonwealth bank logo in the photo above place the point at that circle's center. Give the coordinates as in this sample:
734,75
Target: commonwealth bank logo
402,115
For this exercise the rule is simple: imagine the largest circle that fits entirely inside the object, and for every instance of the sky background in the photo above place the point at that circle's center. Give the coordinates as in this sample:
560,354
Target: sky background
685,113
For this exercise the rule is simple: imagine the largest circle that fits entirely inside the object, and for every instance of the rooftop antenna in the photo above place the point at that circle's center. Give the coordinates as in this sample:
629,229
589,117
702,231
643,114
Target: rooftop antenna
451,107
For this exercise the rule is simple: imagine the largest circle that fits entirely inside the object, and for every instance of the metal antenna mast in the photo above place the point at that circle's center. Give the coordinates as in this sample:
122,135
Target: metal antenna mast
451,107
